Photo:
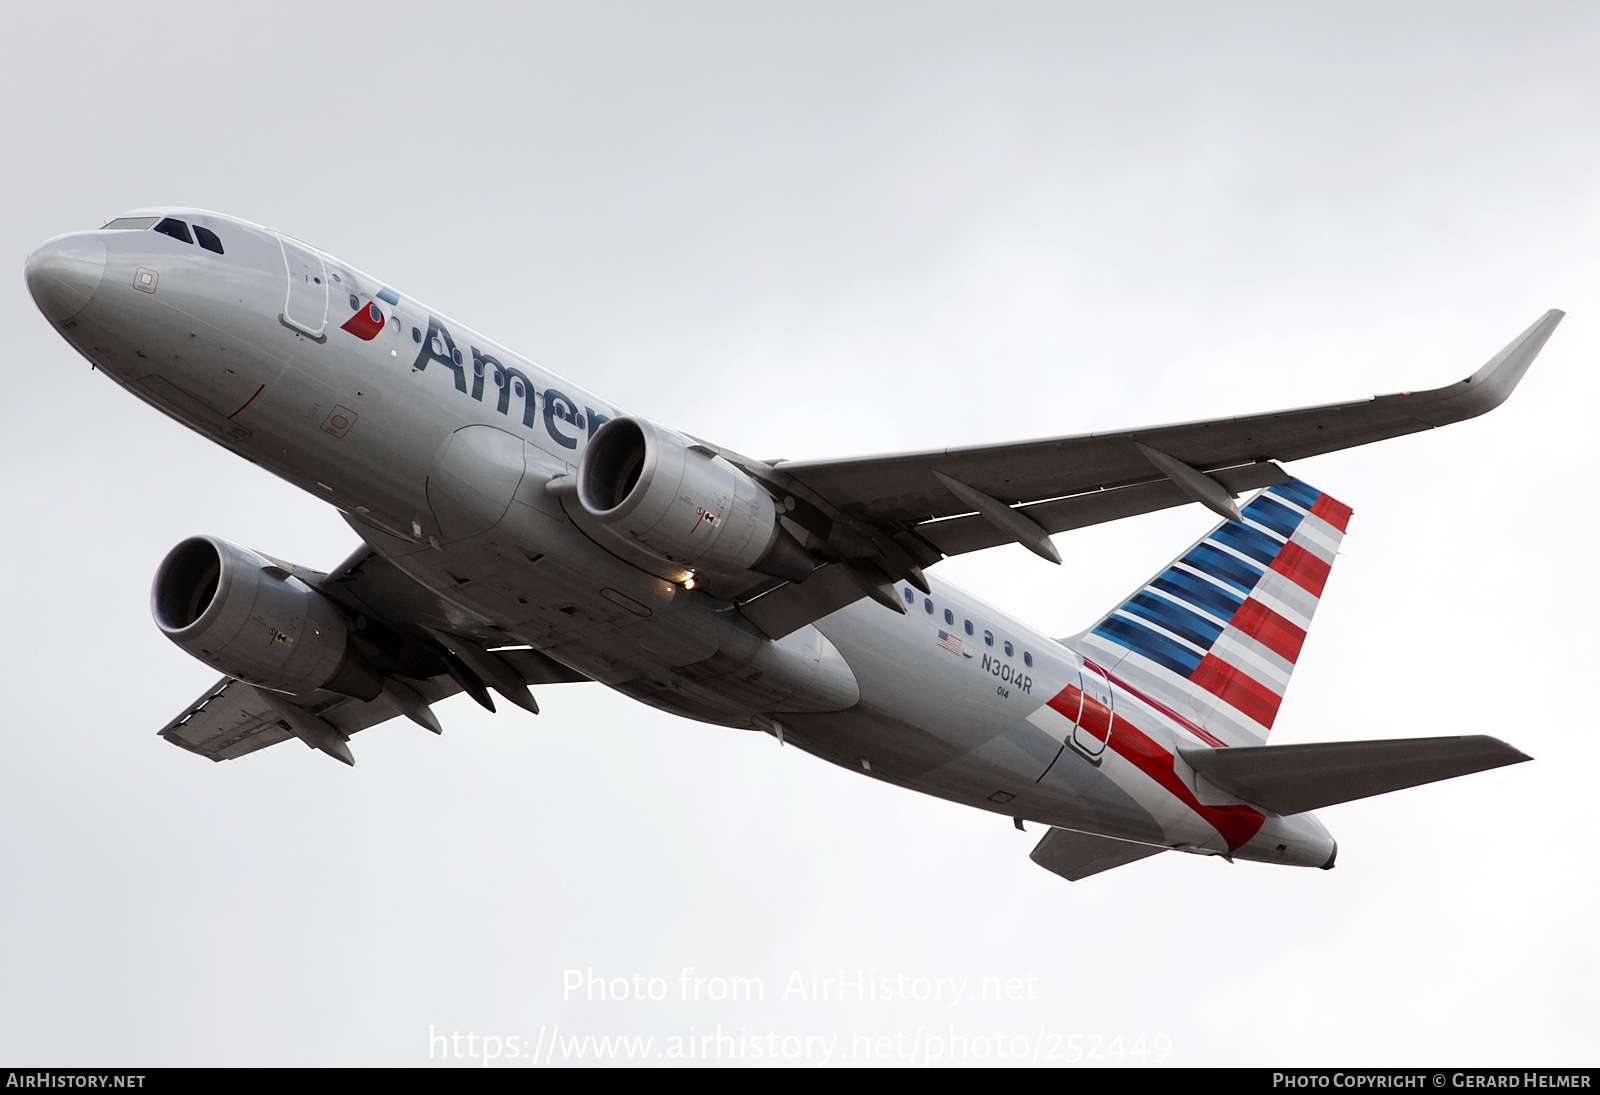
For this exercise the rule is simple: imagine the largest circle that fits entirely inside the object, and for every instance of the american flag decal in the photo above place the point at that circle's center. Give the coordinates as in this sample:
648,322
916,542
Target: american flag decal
950,642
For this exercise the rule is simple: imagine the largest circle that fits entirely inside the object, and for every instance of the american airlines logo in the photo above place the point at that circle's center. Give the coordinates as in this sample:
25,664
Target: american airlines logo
558,409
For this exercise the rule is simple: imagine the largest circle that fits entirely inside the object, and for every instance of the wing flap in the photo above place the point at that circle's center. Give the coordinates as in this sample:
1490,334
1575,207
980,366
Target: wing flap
228,721
232,719
1291,779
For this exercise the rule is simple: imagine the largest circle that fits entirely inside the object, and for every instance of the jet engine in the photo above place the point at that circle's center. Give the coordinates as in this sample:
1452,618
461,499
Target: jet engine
683,502
246,616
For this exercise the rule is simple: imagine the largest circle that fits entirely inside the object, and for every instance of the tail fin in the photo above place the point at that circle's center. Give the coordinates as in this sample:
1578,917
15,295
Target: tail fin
1216,634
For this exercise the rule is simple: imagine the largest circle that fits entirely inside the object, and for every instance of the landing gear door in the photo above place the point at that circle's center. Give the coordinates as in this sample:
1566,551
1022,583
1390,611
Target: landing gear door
471,484
1092,732
305,305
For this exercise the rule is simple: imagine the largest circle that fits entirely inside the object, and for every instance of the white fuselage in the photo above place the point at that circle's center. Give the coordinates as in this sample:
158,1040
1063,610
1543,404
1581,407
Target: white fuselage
439,446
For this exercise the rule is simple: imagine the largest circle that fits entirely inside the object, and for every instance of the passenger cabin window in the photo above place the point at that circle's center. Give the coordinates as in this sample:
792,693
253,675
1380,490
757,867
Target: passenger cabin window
988,638
1010,650
207,239
949,617
910,597
1027,659
929,606
176,229
969,627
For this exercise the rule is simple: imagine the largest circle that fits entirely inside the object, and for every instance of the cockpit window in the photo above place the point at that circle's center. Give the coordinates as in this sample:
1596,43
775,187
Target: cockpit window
176,229
208,239
132,224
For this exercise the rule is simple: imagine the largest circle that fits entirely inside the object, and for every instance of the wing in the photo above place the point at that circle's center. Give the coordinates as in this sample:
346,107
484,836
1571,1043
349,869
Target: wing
233,718
882,518
425,655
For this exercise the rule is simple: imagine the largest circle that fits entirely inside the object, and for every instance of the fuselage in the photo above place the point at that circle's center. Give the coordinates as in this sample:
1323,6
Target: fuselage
446,452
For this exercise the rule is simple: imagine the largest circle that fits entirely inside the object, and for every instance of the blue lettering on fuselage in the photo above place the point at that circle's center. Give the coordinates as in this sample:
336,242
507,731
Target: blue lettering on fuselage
513,381
559,409
480,365
437,345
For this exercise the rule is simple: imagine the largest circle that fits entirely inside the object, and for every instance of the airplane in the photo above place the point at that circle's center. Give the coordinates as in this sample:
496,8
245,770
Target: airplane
519,531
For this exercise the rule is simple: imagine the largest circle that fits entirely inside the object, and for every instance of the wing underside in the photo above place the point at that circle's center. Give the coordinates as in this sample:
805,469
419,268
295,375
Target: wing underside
233,719
425,653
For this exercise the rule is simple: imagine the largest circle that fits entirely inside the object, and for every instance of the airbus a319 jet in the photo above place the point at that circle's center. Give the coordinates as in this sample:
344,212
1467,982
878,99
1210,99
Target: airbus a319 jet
518,530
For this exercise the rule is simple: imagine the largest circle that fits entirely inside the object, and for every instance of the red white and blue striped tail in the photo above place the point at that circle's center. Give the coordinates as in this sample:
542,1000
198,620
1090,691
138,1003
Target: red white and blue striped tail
1216,634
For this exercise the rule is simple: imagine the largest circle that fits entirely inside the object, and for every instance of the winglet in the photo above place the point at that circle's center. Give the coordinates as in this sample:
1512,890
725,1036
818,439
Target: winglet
1487,388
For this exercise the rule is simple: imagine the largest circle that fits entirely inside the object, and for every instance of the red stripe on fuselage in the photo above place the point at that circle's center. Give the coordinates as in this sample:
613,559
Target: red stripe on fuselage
1236,824
1091,716
1067,702
1269,629
1303,568
1096,719
1235,687
1333,511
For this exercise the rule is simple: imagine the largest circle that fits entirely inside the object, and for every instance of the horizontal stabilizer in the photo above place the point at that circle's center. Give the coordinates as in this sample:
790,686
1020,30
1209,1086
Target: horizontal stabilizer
1075,856
1291,779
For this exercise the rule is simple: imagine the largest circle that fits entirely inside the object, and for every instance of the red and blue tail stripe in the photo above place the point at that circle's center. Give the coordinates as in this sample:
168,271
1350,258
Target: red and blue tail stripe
1217,633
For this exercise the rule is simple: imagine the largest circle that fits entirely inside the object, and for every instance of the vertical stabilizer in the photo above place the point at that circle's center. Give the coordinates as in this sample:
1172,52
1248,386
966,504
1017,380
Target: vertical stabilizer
1215,635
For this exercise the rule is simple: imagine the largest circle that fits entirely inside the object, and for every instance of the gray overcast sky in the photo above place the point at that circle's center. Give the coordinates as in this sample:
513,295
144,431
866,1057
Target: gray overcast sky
805,230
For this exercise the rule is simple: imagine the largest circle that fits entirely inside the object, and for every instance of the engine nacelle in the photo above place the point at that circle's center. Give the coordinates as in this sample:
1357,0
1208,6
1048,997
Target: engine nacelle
246,616
683,502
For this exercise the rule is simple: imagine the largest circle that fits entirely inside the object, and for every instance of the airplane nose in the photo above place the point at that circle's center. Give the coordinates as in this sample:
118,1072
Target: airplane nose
64,273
